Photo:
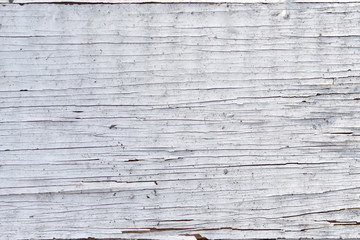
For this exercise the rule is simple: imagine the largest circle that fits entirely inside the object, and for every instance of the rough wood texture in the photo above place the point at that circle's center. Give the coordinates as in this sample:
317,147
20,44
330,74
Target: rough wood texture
140,1
171,1
179,121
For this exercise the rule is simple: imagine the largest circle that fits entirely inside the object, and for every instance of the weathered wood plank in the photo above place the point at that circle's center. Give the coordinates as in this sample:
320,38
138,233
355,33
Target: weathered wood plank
169,121
138,1
172,1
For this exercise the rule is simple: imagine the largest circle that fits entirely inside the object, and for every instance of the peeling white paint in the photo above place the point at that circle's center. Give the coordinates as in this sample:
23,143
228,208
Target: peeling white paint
179,121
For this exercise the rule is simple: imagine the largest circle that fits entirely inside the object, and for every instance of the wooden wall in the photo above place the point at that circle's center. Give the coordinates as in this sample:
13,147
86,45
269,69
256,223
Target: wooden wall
180,121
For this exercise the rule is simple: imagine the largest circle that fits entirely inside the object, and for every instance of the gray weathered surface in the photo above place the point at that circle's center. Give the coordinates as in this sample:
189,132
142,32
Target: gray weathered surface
162,121
173,1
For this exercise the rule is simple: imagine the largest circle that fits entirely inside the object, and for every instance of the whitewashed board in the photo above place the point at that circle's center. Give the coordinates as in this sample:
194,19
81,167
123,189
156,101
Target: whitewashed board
179,121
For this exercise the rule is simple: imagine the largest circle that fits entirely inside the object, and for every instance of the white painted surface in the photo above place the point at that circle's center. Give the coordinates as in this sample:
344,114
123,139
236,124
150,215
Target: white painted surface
161,121
174,1
142,1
